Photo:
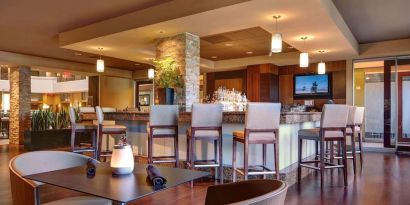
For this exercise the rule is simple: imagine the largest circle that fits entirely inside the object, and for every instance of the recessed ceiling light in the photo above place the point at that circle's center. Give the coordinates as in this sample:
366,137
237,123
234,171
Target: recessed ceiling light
228,44
367,78
249,52
214,57
78,54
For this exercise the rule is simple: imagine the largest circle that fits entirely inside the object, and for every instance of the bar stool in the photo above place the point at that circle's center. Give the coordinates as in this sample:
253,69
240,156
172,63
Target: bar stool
109,129
163,123
261,127
82,128
206,125
332,129
354,125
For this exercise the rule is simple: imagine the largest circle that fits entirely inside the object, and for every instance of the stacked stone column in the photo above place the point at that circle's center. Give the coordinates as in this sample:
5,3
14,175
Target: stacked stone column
184,49
20,91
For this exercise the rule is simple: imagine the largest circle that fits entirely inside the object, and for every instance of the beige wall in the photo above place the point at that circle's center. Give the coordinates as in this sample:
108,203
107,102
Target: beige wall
116,92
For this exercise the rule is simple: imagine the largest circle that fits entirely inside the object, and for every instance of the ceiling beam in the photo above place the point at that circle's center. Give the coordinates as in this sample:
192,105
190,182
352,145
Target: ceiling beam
16,59
159,13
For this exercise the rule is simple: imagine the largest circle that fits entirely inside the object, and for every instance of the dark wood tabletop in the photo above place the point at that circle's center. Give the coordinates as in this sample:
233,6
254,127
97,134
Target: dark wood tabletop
121,188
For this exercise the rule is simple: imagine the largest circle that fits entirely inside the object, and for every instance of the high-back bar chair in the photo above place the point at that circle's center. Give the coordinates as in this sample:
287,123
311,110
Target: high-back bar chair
332,129
354,126
163,123
206,125
261,127
77,128
109,129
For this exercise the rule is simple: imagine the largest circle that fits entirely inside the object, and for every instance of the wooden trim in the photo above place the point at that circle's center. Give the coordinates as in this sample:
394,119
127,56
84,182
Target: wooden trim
387,103
23,191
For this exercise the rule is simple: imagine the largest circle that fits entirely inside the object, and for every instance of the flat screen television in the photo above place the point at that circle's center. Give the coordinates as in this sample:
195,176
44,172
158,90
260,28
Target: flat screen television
312,86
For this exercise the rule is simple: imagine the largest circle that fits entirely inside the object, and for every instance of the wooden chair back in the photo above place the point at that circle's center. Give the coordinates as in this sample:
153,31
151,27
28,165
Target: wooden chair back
258,192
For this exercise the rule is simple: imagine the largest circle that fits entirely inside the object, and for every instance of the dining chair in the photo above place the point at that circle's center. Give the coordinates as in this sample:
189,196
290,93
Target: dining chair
333,124
77,128
256,192
163,123
206,125
109,129
27,192
261,127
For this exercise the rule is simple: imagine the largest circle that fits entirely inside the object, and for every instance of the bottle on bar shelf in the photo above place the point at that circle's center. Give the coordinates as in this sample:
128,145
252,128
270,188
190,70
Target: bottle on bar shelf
231,99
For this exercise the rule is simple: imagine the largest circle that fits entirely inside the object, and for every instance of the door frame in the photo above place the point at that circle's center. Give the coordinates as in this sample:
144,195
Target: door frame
400,76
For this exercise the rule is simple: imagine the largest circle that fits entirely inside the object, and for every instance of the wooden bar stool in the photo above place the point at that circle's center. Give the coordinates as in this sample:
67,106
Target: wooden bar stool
206,125
163,123
332,129
82,128
261,127
109,129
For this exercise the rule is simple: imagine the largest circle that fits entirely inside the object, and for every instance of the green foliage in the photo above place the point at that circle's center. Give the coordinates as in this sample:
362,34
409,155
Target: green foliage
47,119
168,74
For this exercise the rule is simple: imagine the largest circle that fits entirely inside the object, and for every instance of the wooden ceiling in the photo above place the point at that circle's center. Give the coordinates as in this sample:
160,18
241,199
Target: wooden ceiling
239,44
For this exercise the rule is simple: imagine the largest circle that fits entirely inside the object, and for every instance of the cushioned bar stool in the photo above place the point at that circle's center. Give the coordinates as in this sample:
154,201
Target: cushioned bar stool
82,128
354,125
109,129
27,192
261,127
206,125
163,123
332,129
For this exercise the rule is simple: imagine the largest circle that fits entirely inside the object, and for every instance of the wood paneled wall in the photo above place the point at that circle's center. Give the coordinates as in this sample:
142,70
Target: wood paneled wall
336,69
230,79
94,89
263,83
259,82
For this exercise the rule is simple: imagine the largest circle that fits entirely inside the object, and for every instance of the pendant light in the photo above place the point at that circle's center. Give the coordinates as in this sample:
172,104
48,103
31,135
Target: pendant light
276,42
321,67
151,73
100,63
304,56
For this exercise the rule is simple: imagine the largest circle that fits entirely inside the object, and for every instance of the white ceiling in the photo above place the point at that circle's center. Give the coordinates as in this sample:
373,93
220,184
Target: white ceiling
376,20
318,19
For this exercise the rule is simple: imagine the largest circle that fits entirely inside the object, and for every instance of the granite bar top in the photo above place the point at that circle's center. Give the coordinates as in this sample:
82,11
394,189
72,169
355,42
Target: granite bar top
185,117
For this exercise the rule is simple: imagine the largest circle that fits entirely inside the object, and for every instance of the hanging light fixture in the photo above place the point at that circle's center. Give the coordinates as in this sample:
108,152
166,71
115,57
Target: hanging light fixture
304,56
151,73
276,42
100,63
321,67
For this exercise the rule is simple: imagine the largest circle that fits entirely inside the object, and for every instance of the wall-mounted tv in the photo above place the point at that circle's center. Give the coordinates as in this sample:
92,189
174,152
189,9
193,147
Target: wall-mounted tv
312,86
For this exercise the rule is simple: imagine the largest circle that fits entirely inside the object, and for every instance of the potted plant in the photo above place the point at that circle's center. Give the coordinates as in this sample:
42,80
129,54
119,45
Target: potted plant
49,130
168,77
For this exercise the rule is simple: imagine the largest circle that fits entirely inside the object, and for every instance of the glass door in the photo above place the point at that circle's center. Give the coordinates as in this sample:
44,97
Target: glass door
403,91
375,89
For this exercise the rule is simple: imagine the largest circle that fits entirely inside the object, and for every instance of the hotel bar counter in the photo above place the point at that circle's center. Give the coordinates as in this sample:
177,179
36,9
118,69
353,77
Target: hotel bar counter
291,122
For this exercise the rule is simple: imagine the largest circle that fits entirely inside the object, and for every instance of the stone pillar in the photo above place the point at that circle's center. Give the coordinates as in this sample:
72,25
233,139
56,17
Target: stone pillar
184,48
20,90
